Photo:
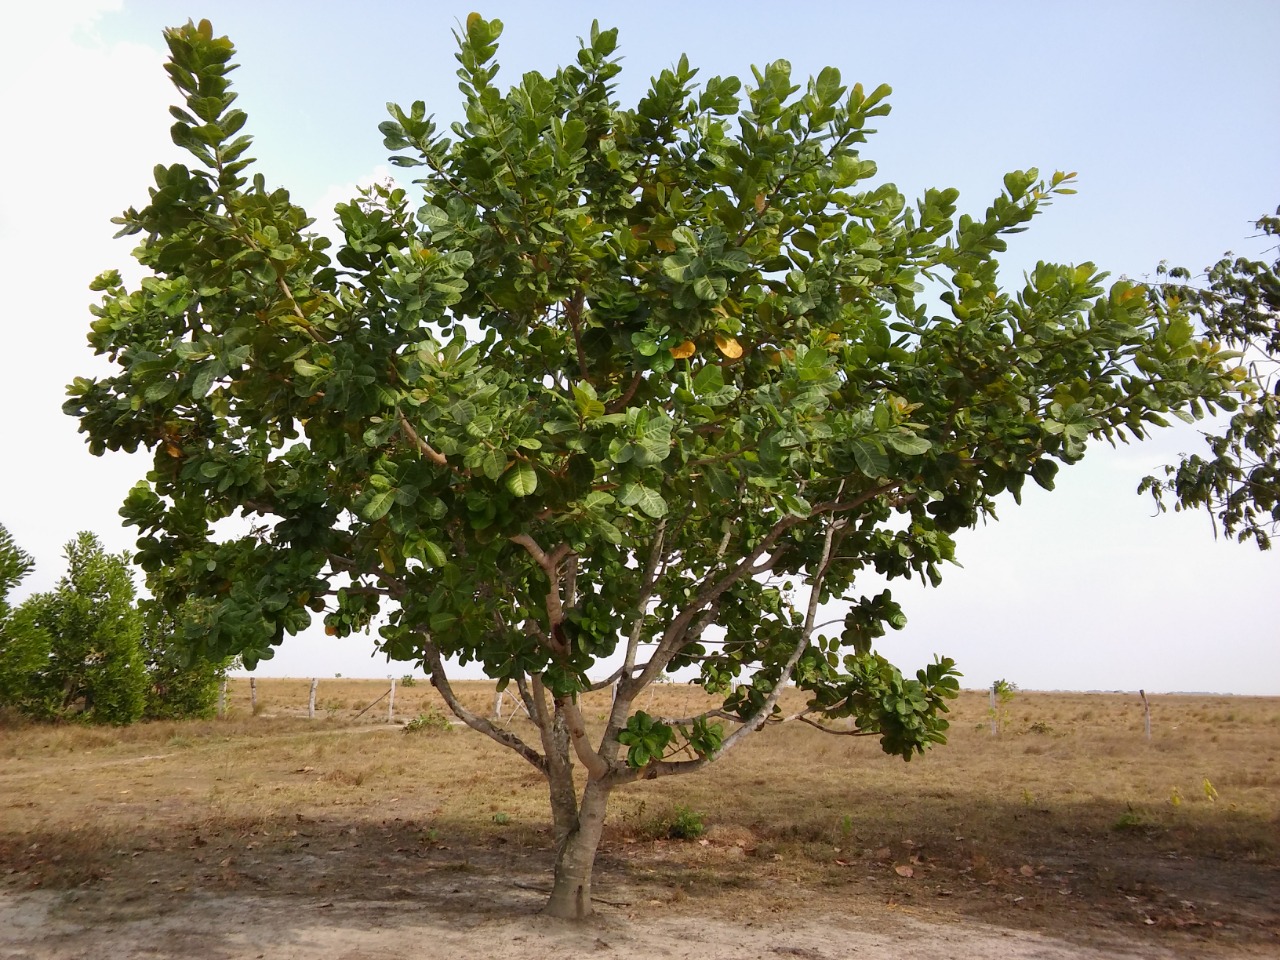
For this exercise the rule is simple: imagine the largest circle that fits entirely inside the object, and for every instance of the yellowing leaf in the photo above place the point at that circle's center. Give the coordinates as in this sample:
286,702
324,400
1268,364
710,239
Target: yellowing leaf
761,203
473,19
729,346
684,351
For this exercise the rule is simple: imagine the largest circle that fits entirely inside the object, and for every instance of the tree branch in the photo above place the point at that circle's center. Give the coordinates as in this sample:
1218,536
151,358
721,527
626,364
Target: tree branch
440,680
757,720
834,733
597,767
573,313
428,451
619,402
550,564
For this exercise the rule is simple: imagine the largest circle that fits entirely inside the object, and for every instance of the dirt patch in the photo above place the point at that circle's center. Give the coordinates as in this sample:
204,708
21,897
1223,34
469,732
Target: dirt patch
482,920
279,838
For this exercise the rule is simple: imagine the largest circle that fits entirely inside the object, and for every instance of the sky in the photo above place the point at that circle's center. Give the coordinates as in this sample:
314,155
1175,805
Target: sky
1167,112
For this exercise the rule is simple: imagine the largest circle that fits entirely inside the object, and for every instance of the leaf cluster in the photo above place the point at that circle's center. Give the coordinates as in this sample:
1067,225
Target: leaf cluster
655,381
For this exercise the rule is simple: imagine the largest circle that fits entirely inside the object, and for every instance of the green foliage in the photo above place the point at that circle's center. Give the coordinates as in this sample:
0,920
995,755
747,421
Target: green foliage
685,824
602,380
78,651
15,564
85,651
1002,693
645,738
433,720
180,685
24,647
1238,304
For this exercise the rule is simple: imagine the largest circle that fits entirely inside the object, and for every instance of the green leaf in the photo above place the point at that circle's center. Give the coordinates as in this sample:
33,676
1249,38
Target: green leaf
709,379
434,553
493,464
521,479
908,443
376,506
870,458
651,503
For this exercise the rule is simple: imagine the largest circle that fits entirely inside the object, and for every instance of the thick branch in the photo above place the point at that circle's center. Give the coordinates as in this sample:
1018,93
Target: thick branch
620,402
646,594
596,766
550,564
716,714
440,681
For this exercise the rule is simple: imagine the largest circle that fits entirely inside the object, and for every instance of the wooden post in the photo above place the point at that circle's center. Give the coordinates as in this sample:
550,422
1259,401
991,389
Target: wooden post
222,698
391,703
253,695
993,709
311,700
497,705
1146,713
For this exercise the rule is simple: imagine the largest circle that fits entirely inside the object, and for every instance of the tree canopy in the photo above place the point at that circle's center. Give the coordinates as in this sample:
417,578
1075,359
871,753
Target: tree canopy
73,651
86,651
1238,303
637,386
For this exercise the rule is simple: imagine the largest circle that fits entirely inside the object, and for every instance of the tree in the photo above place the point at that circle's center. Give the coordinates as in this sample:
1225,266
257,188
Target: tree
639,386
1239,482
24,648
15,564
76,652
180,685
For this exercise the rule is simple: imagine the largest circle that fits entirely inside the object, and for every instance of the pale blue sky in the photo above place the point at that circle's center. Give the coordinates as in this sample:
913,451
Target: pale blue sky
1167,111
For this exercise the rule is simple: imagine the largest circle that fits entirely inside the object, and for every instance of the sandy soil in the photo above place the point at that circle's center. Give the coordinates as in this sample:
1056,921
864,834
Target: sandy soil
242,850
51,926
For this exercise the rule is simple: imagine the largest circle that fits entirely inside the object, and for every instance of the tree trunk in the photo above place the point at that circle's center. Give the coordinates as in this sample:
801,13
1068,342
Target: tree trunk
576,855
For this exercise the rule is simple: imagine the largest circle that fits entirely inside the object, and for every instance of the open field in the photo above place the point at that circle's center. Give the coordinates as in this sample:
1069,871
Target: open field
1068,834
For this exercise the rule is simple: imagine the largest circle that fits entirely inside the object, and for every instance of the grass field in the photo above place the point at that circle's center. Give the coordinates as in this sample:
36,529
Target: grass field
1066,821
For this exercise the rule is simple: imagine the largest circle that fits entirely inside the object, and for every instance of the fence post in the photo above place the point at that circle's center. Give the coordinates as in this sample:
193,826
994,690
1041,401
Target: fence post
993,708
497,705
391,703
311,700
1146,713
253,695
222,698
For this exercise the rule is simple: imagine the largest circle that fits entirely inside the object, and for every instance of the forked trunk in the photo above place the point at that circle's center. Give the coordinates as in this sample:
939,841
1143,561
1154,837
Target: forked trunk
576,853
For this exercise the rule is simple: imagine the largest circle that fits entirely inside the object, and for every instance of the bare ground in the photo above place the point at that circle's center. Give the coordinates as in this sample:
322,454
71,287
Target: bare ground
225,848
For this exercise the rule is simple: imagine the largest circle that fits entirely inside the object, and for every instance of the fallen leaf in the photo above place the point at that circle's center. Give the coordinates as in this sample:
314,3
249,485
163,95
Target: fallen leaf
1027,870
903,870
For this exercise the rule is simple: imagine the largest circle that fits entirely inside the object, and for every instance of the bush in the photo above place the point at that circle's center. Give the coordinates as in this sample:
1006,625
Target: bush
432,721
79,646
685,824
180,685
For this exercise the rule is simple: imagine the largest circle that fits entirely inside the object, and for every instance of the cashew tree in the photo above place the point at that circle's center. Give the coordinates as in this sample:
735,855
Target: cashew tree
602,394
1237,478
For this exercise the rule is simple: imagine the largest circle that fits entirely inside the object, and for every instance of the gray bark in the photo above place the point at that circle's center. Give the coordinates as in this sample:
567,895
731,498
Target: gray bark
576,854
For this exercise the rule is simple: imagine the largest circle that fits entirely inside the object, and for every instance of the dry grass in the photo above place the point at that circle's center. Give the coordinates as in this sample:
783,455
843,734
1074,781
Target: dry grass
1069,820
